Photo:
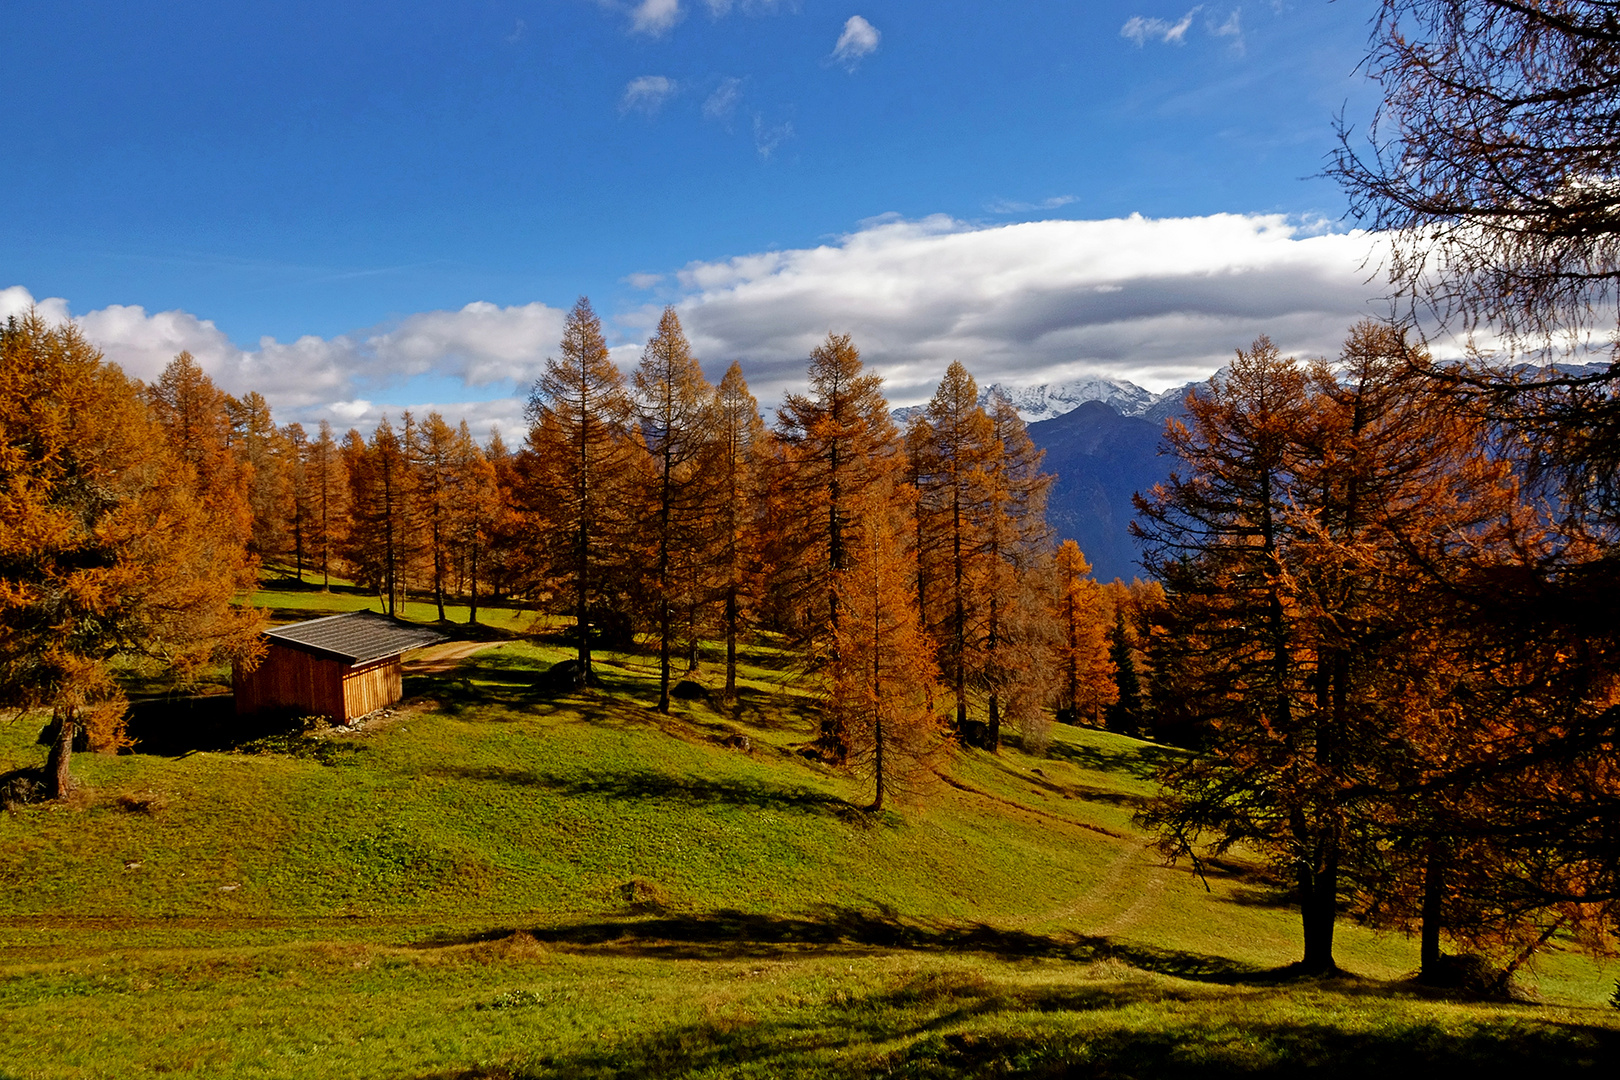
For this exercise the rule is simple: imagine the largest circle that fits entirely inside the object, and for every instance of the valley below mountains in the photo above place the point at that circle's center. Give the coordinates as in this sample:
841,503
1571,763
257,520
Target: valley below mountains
1102,439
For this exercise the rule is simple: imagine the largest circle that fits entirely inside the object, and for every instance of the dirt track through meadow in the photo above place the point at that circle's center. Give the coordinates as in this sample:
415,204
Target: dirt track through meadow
441,659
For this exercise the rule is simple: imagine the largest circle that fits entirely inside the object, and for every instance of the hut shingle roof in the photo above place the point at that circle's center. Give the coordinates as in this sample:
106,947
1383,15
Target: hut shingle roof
357,637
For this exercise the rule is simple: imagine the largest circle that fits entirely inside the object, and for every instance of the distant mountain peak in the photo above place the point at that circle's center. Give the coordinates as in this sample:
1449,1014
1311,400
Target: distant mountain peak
1044,401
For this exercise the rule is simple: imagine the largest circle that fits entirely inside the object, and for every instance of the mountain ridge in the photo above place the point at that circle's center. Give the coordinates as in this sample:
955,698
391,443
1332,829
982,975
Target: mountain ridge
1048,401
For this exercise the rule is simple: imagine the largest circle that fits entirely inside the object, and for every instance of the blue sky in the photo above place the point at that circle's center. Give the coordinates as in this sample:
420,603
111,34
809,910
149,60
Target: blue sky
310,196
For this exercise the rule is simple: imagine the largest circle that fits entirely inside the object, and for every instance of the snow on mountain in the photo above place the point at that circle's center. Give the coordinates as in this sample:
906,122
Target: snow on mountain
1046,400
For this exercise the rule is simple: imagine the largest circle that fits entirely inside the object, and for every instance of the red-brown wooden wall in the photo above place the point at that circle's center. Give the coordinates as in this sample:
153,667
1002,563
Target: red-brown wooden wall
294,679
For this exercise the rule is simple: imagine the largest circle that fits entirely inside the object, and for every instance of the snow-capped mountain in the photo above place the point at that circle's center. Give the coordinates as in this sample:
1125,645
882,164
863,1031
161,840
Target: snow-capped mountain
1046,400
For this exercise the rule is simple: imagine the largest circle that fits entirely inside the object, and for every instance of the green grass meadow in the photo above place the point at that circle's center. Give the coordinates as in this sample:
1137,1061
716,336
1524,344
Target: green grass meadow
496,881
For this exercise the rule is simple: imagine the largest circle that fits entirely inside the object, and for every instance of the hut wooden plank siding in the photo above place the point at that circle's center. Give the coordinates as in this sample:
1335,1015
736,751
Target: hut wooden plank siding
342,666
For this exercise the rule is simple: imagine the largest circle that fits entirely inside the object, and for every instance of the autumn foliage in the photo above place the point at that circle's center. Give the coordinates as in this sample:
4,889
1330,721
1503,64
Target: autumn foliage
114,547
1339,550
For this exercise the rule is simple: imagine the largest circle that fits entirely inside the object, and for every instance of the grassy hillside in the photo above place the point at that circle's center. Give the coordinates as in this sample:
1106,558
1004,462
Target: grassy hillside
498,881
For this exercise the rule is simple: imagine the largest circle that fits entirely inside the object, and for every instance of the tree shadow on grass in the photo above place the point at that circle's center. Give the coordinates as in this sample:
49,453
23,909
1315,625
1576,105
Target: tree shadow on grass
766,711
961,1024
286,615
1141,762
1083,792
455,693
1265,896
833,930
649,786
1273,1050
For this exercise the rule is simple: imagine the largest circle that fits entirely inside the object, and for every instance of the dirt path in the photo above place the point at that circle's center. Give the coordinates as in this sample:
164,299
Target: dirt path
440,659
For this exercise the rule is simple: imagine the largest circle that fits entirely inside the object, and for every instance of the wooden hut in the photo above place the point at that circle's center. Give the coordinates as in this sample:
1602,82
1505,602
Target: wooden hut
342,666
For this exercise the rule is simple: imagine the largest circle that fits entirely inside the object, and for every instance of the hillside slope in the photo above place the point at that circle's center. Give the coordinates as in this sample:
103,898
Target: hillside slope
495,881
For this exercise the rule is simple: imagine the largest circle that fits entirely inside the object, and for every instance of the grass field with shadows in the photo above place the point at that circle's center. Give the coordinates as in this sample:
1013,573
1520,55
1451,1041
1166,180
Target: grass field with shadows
501,878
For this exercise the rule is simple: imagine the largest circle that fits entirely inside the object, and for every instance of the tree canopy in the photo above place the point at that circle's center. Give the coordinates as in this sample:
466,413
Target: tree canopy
112,551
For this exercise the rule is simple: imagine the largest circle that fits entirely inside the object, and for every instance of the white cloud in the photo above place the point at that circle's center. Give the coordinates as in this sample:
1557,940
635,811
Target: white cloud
1230,27
721,8
16,300
643,281
1140,29
722,103
655,17
505,413
767,137
646,94
1013,206
860,38
1159,302
481,346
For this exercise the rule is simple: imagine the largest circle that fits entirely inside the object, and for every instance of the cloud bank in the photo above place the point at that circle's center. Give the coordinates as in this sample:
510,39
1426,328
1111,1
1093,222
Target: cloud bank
481,346
1158,302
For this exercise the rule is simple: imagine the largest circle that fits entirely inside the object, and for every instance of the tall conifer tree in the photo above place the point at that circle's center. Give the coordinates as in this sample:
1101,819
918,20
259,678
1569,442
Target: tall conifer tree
376,540
1215,533
476,510
1086,673
578,412
673,402
839,441
740,453
197,426
951,448
433,460
327,495
295,451
883,681
1017,544
263,457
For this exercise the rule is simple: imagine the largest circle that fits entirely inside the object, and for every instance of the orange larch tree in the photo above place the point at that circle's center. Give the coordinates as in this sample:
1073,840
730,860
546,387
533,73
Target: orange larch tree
197,426
327,496
433,462
295,444
838,442
739,454
1216,534
1015,668
579,412
262,454
107,553
1086,674
476,510
376,540
673,402
950,448
512,556
882,683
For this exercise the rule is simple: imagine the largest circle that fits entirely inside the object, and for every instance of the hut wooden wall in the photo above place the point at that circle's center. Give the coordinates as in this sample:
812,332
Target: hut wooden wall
372,687
291,679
